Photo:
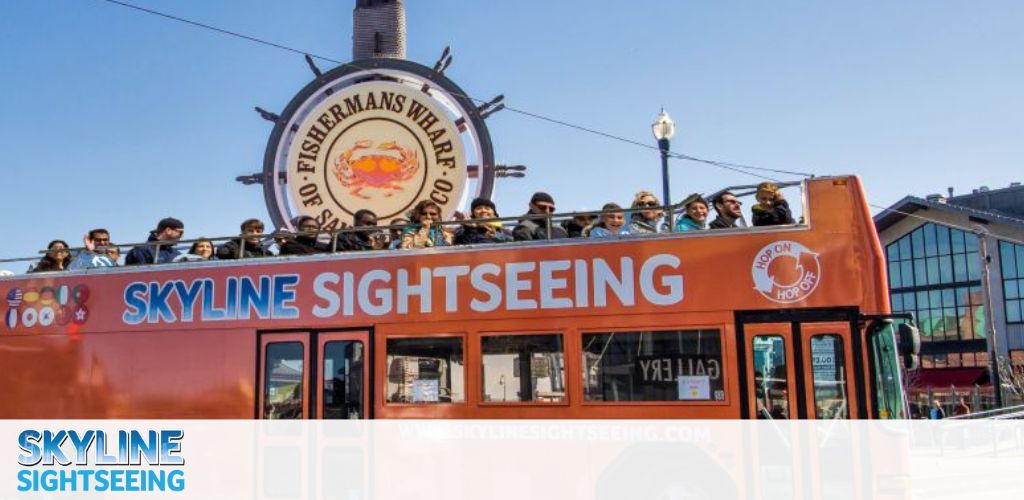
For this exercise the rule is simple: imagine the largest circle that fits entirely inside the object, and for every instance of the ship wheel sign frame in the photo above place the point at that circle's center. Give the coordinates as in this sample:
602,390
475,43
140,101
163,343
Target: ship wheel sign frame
379,134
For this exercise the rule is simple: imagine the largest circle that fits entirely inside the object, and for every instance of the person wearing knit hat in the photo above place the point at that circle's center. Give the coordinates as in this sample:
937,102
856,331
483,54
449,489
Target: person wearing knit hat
168,231
537,223
772,209
479,230
696,215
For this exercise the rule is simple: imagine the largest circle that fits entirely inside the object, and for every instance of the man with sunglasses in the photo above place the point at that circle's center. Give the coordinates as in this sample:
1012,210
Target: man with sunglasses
97,251
730,213
535,225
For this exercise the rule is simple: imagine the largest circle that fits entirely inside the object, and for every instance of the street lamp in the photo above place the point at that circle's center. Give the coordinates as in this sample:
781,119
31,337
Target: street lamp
664,128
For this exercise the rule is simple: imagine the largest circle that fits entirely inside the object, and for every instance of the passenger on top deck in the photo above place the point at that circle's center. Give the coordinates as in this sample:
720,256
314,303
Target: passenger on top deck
772,209
202,249
57,259
252,231
168,231
575,226
97,244
612,223
304,242
645,213
395,228
367,239
472,232
534,225
425,231
113,253
696,214
730,214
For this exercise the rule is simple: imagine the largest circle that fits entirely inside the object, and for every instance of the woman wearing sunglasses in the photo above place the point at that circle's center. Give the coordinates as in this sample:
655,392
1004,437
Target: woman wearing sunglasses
425,231
645,213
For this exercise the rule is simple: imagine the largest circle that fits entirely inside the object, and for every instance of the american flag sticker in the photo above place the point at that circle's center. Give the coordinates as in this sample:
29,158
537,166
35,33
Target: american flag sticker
14,297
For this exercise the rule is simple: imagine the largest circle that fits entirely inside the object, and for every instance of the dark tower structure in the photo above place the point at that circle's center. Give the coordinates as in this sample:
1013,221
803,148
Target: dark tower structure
378,29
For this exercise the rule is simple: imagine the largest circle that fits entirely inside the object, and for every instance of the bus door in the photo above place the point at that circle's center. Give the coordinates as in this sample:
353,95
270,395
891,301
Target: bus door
800,365
322,375
770,371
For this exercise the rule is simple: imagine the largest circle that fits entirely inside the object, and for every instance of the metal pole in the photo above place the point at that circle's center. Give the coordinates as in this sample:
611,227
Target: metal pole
667,196
990,328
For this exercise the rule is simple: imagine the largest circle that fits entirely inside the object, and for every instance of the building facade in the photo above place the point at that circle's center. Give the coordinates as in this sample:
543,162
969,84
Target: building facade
957,264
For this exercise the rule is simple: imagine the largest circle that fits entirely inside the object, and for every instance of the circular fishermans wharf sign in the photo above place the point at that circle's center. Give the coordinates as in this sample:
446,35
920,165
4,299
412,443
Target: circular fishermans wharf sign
381,138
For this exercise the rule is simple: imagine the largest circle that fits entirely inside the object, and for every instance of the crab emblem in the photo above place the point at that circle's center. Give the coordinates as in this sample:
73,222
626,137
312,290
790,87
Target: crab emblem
379,170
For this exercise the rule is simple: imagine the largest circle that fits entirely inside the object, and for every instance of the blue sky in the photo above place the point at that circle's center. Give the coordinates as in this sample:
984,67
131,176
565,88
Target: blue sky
116,118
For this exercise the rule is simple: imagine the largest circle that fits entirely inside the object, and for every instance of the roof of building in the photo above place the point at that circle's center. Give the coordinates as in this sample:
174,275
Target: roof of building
1007,201
911,204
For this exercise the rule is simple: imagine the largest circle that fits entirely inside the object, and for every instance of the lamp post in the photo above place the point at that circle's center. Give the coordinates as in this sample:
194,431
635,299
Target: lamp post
664,128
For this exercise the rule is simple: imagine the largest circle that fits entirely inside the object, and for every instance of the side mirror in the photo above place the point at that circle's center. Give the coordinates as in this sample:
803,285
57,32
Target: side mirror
909,340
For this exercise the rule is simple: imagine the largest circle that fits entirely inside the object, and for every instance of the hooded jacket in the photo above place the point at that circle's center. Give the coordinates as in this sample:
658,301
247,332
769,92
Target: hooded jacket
685,223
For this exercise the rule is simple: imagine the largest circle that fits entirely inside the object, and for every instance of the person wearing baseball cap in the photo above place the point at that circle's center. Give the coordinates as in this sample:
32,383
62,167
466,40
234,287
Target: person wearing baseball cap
535,224
160,245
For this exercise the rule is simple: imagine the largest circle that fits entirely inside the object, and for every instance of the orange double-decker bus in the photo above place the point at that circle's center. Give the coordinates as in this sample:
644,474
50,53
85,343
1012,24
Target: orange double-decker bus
777,322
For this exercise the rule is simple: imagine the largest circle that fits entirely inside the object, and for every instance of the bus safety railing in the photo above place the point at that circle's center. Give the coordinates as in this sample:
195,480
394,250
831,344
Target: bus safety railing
394,231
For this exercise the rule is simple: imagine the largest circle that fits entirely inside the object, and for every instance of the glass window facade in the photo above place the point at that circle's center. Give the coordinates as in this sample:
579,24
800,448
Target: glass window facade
1011,260
520,368
935,273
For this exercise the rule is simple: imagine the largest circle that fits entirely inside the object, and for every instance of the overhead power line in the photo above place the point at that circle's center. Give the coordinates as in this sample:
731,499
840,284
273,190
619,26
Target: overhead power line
735,167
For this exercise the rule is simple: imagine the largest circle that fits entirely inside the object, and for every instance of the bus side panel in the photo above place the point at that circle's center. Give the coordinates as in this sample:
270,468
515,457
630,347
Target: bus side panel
206,374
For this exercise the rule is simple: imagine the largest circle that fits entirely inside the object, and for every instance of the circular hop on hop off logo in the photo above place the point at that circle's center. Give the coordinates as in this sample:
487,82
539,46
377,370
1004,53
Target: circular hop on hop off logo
786,272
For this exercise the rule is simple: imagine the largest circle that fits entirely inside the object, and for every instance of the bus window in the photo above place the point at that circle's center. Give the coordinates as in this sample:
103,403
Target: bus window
343,380
425,370
519,368
771,379
672,365
829,377
886,372
283,384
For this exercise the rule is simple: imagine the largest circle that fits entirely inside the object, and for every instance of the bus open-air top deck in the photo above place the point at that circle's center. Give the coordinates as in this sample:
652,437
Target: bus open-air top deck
775,322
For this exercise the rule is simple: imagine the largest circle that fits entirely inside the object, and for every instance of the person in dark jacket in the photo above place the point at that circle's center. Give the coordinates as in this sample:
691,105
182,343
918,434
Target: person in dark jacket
252,233
369,238
575,226
730,214
473,232
304,242
533,225
772,209
56,259
168,231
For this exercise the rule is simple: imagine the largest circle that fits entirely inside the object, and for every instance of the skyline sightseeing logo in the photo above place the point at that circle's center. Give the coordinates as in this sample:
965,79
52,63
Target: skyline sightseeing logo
69,460
786,272
379,145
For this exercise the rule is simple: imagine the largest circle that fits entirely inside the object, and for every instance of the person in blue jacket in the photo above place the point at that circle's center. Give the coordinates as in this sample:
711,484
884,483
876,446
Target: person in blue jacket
696,216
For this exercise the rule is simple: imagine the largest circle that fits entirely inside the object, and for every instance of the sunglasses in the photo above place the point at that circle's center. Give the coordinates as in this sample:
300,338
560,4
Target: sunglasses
545,207
647,204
